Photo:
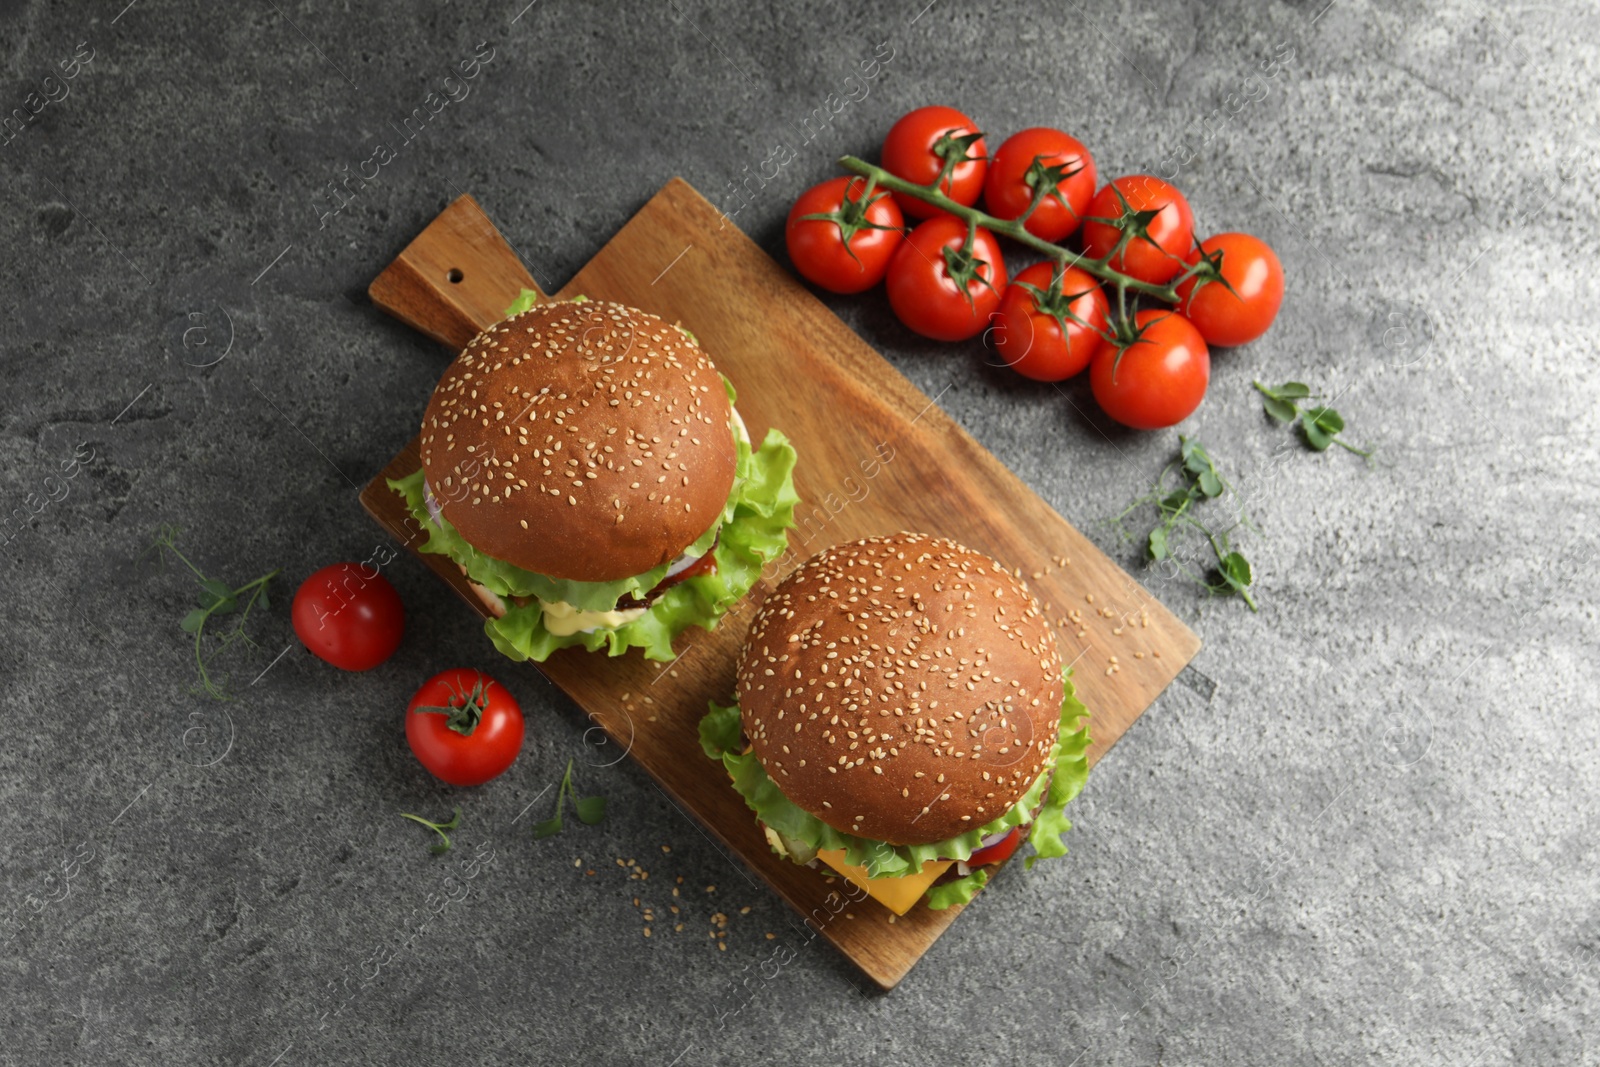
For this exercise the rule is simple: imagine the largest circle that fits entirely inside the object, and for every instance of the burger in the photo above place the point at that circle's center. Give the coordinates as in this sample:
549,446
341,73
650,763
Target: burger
584,466
903,718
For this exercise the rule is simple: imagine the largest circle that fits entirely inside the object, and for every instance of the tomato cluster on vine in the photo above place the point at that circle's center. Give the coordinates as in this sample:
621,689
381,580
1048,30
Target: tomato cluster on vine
1134,298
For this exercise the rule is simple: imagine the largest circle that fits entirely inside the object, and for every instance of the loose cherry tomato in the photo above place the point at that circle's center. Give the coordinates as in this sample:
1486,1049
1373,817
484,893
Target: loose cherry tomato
1046,343
464,727
1157,219
928,298
1008,190
1235,318
998,852
911,151
851,252
349,615
1160,379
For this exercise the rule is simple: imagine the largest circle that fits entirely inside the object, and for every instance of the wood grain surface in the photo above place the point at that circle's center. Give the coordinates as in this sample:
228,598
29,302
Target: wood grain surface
876,456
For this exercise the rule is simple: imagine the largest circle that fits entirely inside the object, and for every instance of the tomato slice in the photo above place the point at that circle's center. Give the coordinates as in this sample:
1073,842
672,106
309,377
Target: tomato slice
706,564
998,852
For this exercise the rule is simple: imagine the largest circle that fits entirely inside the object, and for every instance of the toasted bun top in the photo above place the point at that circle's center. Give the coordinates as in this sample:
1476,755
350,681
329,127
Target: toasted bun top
902,688
586,441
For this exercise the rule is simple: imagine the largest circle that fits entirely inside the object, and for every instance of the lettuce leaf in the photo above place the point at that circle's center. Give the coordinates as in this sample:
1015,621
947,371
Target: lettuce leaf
720,739
525,300
529,298
956,891
753,529
1072,774
719,731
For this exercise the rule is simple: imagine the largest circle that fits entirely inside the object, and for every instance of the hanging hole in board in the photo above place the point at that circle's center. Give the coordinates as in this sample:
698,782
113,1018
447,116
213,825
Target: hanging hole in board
454,276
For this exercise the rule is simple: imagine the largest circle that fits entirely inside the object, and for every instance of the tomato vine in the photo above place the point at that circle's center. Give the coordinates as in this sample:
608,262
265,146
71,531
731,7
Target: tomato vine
1206,269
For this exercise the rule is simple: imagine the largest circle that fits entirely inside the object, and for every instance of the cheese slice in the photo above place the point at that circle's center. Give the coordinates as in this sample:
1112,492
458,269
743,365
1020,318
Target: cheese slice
896,894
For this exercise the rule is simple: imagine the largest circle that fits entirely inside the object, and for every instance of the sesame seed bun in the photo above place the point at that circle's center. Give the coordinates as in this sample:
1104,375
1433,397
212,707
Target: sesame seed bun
903,688
589,442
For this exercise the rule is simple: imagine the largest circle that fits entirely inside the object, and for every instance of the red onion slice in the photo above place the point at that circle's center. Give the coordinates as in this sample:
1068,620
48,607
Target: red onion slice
433,505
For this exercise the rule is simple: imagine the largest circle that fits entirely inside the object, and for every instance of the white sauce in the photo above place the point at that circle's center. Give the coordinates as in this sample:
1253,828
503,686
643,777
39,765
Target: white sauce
563,620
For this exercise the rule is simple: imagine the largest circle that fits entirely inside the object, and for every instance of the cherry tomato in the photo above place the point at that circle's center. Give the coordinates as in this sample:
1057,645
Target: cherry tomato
924,295
1007,192
464,727
1157,253
1160,379
908,152
1032,342
1239,317
349,615
819,247
998,852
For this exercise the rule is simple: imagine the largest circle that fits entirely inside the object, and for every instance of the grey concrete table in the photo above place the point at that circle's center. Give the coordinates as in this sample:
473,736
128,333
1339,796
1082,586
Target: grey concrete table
1362,830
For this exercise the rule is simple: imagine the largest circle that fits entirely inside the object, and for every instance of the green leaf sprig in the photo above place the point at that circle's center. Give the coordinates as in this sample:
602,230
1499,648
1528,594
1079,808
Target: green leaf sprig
438,828
1320,425
1179,489
590,809
216,598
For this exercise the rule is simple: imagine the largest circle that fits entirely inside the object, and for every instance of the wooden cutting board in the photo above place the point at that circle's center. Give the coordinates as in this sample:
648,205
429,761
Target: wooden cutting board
876,456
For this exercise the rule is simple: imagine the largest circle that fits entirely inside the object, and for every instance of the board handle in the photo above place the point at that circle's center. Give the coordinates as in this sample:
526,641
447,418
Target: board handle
456,279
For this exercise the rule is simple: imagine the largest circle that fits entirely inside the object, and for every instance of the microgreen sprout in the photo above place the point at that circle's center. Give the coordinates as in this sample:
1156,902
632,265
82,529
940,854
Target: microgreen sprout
1179,491
438,828
216,598
1320,425
590,809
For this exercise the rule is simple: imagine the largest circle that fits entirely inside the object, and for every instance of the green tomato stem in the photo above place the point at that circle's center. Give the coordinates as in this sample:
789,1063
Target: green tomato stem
183,559
1040,191
1349,447
263,580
